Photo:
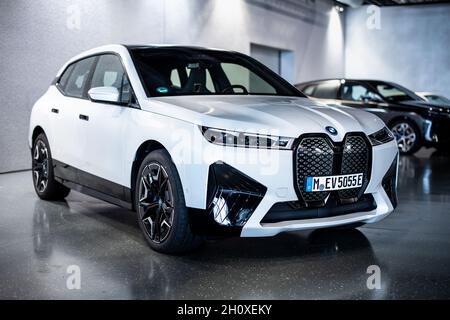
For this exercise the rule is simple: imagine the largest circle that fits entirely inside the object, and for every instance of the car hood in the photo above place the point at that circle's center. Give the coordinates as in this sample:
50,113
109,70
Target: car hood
290,116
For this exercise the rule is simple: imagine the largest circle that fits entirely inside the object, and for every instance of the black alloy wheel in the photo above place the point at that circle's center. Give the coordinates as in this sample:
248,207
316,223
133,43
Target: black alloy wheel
156,202
40,166
45,185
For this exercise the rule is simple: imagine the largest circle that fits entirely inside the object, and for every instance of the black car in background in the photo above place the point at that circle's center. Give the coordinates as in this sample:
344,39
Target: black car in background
414,121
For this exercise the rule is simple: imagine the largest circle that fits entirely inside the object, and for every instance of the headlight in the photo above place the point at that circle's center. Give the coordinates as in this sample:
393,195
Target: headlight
382,136
246,140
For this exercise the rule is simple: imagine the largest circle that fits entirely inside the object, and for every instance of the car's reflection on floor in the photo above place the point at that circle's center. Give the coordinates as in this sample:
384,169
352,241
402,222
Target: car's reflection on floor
287,266
421,177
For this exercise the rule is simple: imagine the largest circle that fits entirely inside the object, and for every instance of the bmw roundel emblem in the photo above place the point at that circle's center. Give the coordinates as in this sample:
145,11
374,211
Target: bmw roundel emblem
331,130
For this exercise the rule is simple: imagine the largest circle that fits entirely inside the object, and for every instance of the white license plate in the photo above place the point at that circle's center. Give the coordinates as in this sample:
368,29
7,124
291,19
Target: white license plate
330,183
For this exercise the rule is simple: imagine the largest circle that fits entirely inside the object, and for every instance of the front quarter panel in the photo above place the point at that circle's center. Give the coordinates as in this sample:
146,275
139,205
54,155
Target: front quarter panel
40,118
178,137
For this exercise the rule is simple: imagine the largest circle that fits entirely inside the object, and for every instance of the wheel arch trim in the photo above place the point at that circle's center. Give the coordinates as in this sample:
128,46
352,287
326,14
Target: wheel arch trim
413,118
141,152
37,130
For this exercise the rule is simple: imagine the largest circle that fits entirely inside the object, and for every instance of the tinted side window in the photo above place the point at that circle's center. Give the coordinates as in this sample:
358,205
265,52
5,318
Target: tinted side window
309,90
62,82
76,82
326,90
353,91
109,72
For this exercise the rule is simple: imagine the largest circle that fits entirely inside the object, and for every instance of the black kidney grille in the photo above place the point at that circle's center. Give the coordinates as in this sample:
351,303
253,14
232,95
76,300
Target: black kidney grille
355,159
314,158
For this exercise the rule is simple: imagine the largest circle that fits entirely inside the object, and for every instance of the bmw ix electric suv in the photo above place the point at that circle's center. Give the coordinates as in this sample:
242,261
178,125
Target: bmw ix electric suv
200,141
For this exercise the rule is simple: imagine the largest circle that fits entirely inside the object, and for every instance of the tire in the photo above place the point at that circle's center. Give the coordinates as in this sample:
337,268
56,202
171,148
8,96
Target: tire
46,187
408,136
161,209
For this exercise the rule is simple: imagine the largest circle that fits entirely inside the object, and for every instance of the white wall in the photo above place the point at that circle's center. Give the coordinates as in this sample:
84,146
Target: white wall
37,37
412,46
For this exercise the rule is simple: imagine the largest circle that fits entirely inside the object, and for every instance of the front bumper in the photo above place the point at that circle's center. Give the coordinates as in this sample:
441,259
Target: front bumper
270,177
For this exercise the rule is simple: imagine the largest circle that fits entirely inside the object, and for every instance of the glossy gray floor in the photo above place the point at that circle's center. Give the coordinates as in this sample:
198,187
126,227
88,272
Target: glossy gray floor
39,241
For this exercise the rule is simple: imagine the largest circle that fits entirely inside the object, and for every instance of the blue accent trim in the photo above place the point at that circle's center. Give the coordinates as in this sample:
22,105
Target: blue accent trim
309,184
427,128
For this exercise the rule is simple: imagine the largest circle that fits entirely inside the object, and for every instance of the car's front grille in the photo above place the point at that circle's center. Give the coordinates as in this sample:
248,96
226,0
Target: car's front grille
318,156
314,158
355,159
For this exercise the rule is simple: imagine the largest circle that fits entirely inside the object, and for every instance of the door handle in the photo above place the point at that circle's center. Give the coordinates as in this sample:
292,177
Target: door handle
84,117
54,110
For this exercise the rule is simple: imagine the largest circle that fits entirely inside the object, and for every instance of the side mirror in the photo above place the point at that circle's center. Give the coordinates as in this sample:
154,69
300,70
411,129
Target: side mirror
104,94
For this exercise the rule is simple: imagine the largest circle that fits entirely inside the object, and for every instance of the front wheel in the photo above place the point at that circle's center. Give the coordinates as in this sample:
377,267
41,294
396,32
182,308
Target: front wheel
160,205
407,135
45,185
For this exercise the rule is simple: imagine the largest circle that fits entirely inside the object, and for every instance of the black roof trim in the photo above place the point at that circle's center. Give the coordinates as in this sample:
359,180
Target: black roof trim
132,47
339,79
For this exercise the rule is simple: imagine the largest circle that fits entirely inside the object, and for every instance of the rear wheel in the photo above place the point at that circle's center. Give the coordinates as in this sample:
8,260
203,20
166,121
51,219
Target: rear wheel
159,202
45,185
407,135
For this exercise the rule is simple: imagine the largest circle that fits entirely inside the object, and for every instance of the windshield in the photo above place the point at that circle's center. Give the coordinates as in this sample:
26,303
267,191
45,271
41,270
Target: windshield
437,99
395,93
189,71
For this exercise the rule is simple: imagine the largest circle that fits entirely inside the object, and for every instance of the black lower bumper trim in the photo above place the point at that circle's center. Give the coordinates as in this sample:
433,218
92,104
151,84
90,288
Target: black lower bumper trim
232,195
231,199
288,211
203,224
389,183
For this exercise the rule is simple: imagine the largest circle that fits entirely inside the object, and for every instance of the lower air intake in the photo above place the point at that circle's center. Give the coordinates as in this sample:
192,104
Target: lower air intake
232,196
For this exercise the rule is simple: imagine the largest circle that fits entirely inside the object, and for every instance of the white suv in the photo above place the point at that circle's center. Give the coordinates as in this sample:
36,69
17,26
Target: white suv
200,141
